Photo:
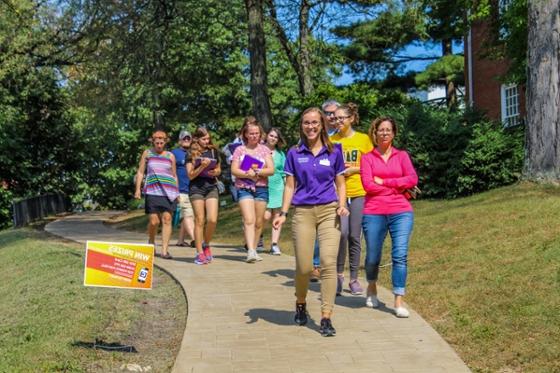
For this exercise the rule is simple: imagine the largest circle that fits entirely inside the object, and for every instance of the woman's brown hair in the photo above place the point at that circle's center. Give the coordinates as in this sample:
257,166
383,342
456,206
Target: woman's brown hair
324,134
351,109
281,140
159,134
250,121
375,125
196,149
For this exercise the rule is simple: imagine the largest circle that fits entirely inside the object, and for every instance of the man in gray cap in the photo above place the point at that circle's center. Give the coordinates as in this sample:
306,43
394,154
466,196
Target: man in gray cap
187,215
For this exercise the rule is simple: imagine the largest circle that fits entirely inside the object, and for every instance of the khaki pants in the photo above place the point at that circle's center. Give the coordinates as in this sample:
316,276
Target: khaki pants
308,223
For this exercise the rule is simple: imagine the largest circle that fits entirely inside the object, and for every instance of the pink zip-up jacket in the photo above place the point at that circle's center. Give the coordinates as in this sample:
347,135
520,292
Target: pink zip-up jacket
398,174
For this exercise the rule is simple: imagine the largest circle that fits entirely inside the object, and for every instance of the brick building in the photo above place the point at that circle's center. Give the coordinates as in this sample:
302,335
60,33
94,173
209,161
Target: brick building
484,89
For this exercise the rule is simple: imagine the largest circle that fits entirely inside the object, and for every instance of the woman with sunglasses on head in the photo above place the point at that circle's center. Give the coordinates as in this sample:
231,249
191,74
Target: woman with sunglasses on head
354,145
275,141
161,189
203,168
387,173
251,181
315,186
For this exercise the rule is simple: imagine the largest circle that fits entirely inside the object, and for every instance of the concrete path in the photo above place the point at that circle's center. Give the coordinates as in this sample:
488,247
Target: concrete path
241,317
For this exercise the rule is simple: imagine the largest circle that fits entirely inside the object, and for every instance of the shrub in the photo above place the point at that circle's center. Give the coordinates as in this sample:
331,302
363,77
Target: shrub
457,153
5,208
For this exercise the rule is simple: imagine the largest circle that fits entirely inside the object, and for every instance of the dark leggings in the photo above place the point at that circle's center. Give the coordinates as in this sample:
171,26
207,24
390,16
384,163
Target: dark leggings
351,237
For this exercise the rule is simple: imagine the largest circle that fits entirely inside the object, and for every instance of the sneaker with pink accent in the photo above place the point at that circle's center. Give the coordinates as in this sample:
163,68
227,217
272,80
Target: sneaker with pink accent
207,253
200,259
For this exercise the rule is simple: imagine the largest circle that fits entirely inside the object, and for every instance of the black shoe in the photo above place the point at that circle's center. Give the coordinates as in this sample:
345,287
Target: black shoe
327,330
301,314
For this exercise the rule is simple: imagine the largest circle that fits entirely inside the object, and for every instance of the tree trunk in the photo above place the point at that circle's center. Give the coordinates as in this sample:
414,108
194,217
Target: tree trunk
300,60
306,83
542,132
257,52
450,90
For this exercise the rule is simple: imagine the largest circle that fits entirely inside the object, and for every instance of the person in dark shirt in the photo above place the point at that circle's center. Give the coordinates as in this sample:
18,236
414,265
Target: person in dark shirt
187,214
203,169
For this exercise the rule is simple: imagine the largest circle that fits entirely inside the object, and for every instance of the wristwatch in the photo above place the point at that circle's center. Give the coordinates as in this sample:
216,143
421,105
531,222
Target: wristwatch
283,213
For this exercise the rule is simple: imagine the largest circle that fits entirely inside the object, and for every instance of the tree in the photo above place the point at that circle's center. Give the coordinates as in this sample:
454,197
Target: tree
379,42
257,53
300,59
542,160
449,70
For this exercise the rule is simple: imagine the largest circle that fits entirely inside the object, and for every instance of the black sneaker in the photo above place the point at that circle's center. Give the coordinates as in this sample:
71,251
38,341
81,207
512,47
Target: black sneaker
301,314
327,330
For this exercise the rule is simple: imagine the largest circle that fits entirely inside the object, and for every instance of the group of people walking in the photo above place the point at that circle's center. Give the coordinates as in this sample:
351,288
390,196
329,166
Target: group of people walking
339,181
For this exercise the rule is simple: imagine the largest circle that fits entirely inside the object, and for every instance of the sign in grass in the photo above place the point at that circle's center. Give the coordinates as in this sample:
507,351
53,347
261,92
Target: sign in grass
119,265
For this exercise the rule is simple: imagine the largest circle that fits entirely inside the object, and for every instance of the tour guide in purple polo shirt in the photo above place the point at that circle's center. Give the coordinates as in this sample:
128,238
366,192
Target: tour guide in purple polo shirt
316,187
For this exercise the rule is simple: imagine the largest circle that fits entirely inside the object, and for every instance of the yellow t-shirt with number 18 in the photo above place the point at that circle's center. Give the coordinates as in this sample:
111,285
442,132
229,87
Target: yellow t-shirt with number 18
353,147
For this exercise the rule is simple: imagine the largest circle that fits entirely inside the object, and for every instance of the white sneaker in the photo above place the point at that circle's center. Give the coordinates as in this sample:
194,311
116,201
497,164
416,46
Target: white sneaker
251,256
258,257
372,301
402,312
275,250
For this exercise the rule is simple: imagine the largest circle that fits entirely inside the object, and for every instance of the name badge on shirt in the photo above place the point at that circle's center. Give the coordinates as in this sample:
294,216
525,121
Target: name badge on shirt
325,162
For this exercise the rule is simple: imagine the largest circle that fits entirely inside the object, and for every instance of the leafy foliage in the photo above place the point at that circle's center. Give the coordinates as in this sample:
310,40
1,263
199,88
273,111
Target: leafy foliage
447,68
457,154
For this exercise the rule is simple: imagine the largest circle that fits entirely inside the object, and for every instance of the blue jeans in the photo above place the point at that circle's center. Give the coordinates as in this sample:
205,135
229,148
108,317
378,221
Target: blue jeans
399,227
259,194
316,255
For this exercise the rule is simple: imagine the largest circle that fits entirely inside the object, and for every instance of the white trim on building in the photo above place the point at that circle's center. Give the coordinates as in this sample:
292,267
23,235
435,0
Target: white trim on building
509,98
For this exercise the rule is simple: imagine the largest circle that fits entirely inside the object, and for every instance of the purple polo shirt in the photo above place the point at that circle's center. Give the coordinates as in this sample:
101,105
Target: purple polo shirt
314,175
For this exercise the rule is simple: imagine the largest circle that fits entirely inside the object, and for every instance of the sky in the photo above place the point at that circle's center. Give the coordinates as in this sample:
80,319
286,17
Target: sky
421,50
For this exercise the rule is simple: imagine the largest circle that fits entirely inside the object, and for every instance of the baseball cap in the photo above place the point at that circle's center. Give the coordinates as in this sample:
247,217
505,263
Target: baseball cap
184,134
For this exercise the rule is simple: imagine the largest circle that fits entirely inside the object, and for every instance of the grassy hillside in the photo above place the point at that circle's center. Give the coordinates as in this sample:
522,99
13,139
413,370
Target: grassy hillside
49,320
483,270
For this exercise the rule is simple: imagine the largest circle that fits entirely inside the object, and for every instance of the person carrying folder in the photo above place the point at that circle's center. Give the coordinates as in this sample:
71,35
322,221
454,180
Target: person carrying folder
203,168
251,165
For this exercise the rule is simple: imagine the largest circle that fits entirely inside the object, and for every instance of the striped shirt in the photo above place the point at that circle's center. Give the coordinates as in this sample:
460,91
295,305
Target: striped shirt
159,179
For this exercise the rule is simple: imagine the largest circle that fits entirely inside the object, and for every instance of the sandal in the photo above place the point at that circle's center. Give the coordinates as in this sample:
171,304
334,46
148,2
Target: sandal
182,244
166,256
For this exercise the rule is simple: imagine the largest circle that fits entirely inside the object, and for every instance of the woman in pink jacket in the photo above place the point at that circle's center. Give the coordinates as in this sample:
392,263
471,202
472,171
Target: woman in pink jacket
386,174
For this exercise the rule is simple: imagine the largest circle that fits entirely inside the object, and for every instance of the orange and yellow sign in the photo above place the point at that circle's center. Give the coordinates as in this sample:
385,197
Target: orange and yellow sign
118,264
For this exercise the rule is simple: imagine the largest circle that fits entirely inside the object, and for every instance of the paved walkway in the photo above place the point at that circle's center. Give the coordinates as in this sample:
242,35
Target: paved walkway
241,317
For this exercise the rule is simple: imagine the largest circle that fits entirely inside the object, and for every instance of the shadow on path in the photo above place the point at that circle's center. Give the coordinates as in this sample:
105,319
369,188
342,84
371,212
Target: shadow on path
278,317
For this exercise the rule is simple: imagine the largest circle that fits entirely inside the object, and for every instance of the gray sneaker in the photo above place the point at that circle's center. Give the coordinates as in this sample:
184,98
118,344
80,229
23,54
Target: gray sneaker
355,287
251,256
275,250
339,284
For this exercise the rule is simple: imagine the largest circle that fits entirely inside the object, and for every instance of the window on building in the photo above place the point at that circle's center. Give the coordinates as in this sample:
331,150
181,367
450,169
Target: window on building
503,6
510,105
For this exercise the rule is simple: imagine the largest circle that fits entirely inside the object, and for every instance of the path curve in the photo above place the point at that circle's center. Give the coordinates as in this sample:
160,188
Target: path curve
241,317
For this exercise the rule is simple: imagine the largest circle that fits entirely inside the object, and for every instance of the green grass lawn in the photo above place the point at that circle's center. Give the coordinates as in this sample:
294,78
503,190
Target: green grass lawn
483,270
49,320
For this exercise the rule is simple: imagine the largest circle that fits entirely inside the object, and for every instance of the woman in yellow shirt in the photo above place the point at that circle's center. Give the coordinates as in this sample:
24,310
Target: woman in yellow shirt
354,145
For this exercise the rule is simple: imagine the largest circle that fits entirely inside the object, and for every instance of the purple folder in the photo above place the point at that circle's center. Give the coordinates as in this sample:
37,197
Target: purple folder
232,146
249,162
211,166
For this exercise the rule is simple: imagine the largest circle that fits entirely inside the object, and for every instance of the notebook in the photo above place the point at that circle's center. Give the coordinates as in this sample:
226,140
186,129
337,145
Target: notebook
211,166
249,162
